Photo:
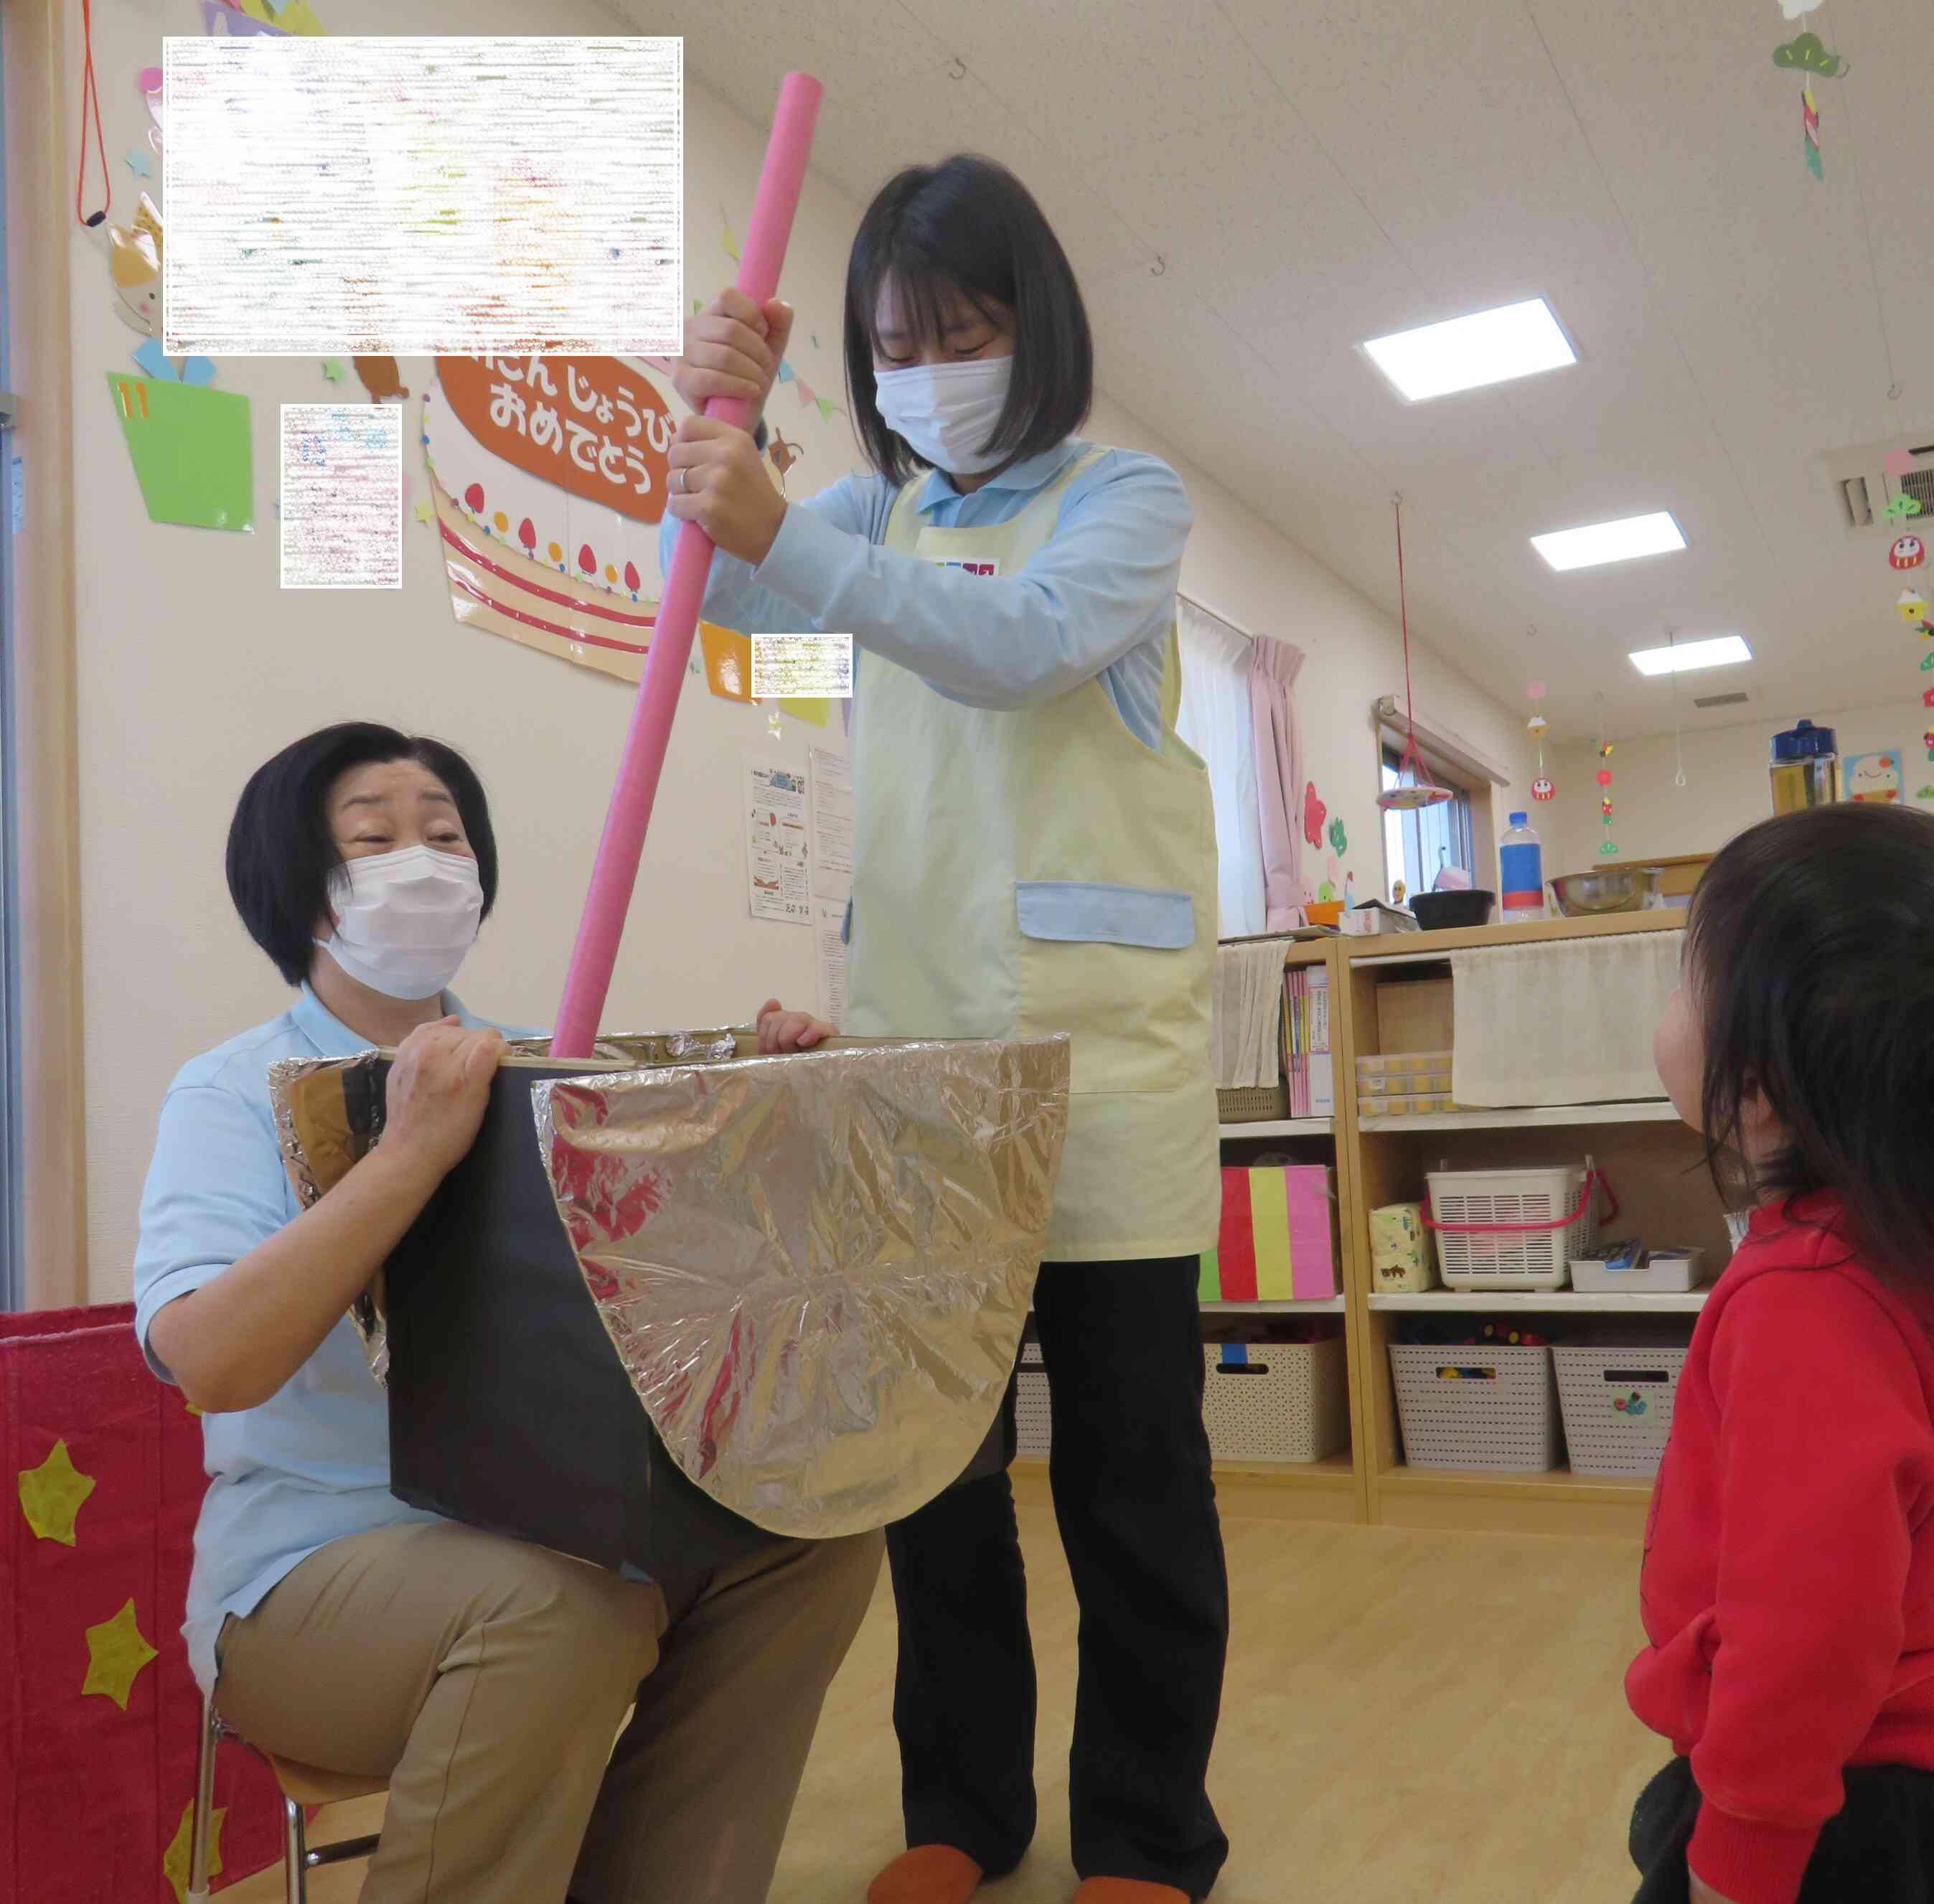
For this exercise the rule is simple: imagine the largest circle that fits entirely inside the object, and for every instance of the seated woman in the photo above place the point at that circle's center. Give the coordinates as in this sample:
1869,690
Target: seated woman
484,1678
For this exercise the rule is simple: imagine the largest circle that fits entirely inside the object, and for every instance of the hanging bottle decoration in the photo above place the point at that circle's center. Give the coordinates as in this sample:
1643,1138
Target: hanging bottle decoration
1541,788
1420,789
1607,850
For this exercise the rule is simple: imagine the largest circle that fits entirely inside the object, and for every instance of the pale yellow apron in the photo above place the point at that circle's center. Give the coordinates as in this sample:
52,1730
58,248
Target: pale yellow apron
1042,870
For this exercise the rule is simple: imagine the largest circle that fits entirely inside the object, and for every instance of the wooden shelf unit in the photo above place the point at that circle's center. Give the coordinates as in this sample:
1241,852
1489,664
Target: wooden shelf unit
1393,994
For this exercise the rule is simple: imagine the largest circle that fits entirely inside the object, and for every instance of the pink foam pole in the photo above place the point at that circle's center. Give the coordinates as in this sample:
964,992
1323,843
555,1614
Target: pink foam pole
615,872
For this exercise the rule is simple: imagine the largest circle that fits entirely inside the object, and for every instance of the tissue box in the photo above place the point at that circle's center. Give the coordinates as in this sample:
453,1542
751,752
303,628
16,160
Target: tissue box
1278,1239
1403,1255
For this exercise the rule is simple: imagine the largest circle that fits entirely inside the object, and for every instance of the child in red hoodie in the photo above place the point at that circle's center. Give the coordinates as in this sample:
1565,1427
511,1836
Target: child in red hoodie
1787,1587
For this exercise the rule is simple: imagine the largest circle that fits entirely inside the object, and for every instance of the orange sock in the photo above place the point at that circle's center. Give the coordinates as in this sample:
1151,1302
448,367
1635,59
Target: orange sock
929,1874
1127,1890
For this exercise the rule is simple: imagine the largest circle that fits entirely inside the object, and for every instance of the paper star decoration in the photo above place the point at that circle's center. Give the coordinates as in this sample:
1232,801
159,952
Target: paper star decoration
137,163
334,370
174,1861
115,1654
51,1495
424,513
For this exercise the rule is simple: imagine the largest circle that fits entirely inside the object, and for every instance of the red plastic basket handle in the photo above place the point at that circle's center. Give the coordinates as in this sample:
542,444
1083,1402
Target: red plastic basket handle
1593,1179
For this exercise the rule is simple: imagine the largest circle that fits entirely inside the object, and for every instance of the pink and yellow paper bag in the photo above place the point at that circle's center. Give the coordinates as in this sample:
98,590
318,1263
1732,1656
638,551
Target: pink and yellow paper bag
1278,1239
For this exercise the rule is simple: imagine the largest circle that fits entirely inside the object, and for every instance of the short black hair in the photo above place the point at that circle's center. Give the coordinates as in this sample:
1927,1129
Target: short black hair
969,225
1807,952
282,852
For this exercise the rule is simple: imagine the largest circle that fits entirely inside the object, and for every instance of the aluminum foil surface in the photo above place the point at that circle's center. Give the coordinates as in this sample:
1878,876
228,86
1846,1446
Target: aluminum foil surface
815,1268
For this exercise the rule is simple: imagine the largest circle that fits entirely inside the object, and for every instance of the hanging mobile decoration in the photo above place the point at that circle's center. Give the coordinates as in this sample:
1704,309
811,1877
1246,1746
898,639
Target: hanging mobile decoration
1607,850
1809,122
1541,788
1421,790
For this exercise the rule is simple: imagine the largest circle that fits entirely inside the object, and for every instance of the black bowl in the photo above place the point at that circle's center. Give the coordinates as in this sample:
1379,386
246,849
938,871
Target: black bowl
1437,912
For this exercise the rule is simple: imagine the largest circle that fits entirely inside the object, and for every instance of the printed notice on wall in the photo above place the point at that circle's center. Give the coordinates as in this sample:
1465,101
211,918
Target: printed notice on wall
777,863
832,826
342,496
829,921
811,666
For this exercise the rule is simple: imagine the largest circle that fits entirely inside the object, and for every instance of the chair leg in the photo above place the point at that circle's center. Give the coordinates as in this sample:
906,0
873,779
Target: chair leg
295,1852
198,1851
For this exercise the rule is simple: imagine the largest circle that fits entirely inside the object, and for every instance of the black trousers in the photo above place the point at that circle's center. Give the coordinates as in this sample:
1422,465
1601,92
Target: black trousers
1878,1849
1136,1506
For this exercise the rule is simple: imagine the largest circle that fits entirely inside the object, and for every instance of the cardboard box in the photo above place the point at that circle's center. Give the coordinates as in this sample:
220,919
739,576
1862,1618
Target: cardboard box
1279,1242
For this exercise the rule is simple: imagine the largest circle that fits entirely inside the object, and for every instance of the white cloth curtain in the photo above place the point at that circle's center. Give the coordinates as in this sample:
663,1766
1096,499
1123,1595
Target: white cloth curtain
1568,1023
1217,722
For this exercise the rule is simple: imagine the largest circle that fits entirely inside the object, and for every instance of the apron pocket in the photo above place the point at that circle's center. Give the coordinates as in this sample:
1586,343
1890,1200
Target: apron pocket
1073,911
1108,964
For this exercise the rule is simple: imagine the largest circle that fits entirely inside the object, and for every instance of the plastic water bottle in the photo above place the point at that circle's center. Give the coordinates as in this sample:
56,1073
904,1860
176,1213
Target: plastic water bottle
1521,872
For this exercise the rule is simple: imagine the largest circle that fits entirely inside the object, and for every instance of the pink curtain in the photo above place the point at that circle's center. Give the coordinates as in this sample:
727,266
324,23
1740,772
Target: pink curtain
1273,667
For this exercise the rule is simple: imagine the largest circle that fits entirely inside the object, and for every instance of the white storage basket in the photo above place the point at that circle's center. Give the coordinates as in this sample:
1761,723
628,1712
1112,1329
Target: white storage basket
1618,1405
1534,1246
1283,1402
1476,1405
1031,1415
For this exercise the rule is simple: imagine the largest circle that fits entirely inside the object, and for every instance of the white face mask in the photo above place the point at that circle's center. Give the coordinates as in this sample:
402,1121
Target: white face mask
947,412
404,921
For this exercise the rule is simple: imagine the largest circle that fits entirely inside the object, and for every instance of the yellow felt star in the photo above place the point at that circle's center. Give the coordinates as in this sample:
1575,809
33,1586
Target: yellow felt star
51,1495
174,1862
424,513
115,1654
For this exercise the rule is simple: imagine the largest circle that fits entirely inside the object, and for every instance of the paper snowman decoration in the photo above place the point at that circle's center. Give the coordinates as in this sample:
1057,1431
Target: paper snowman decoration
1909,552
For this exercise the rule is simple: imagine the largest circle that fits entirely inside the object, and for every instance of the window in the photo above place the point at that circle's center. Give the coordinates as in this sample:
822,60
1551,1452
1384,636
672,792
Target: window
1215,720
1418,843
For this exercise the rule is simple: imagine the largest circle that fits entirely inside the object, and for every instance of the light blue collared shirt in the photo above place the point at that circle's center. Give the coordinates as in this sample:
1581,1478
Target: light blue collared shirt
312,1465
1097,600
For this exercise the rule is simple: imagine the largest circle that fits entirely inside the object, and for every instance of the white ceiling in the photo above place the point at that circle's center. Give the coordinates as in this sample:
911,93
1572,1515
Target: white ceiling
1250,188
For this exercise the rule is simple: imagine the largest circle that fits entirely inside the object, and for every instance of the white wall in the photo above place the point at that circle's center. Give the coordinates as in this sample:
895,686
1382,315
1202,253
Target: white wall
194,666
1726,788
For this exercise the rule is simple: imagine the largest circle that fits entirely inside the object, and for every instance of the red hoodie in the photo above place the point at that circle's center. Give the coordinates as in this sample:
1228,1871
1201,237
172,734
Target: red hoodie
1787,1587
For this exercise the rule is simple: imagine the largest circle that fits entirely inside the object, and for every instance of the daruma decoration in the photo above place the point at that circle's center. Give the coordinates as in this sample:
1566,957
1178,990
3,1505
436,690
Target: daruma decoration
592,425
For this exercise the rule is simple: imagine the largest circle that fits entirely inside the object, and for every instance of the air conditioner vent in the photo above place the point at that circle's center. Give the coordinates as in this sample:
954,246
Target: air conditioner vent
1721,700
1919,483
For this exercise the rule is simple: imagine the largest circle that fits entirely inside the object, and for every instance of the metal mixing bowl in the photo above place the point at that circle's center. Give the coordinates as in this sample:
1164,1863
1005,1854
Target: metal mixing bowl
1605,889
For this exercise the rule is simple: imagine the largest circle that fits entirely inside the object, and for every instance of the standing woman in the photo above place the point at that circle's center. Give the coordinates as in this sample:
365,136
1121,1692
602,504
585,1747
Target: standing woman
1034,853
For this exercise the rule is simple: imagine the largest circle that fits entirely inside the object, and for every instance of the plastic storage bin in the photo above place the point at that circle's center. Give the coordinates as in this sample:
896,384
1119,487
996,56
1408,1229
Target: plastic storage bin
1512,1257
1476,1405
1617,1402
1399,1070
1286,1401
1663,1271
1261,1104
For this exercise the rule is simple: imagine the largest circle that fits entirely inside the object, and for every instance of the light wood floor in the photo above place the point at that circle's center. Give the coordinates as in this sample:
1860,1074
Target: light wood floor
1410,1719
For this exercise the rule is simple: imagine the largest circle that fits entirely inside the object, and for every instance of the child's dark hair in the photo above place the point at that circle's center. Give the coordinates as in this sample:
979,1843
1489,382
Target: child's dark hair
1808,949
969,225
282,852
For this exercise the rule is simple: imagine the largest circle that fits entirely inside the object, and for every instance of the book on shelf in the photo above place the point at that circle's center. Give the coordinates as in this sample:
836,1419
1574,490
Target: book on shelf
1306,1061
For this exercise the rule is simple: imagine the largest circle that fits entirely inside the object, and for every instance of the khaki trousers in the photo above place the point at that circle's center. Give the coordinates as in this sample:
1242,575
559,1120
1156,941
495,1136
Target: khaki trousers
486,1678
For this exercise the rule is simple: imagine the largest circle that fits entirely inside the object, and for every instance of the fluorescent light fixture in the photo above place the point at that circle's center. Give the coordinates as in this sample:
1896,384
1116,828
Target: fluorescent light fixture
1684,656
1489,347
1603,542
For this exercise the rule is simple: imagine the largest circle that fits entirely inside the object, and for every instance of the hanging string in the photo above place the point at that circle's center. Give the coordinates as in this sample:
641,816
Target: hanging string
1678,750
90,96
1422,791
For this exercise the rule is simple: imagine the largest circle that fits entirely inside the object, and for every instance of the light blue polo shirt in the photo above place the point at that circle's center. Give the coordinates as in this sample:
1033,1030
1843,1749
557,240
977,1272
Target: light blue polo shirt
312,1465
